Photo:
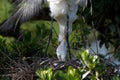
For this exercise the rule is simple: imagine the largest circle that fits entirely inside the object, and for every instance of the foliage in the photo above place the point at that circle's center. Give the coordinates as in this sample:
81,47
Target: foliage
92,69
5,9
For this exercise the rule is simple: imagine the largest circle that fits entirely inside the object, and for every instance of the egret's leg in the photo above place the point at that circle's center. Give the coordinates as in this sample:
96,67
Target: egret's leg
49,39
67,36
62,47
70,19
62,28
65,24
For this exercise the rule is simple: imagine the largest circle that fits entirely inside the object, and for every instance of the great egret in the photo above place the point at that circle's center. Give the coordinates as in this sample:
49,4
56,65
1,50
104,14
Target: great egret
60,10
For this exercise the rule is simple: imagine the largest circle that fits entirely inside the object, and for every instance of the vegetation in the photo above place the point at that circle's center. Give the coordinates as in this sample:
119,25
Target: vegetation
26,59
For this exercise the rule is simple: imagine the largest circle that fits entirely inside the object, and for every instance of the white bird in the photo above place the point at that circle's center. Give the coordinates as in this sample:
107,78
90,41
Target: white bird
60,9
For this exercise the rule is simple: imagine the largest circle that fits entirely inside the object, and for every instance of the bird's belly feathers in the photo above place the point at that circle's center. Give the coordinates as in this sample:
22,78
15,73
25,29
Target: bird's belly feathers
58,7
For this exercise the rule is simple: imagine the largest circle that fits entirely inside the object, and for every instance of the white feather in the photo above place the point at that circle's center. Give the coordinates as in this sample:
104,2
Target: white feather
62,50
94,48
60,9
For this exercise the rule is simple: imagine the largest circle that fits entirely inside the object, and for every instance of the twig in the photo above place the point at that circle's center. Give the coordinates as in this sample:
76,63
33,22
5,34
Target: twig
50,36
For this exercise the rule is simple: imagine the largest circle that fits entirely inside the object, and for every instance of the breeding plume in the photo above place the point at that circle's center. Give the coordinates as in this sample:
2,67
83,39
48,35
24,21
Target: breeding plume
63,11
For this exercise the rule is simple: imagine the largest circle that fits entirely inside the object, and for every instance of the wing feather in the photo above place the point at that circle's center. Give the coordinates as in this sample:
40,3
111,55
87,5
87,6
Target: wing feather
25,11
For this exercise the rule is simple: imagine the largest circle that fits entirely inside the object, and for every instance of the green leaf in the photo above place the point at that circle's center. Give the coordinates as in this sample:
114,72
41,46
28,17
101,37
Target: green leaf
85,74
71,73
59,75
45,74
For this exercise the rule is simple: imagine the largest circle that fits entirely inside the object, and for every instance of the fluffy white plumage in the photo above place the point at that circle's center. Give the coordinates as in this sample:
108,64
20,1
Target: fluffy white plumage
60,9
62,50
94,48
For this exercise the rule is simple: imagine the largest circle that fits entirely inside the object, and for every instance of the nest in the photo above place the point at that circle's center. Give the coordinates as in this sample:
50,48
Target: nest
25,68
